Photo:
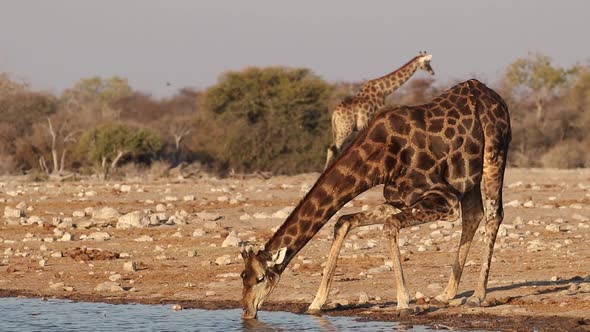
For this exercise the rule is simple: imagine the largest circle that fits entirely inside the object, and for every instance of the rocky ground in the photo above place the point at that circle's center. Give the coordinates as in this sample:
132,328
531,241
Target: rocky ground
176,241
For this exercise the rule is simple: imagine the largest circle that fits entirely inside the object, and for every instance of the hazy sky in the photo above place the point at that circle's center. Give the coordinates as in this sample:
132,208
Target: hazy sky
53,44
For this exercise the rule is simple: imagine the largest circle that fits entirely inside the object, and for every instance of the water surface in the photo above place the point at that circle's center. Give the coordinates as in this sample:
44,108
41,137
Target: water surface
18,314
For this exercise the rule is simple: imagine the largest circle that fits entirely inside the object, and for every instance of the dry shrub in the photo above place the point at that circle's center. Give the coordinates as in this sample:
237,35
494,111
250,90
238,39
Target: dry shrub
567,154
7,164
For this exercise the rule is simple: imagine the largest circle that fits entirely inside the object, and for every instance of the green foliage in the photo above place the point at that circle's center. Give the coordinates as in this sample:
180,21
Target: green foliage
106,142
275,119
537,73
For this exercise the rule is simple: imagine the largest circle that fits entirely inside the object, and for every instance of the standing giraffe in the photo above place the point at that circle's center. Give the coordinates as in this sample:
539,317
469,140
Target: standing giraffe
352,115
432,159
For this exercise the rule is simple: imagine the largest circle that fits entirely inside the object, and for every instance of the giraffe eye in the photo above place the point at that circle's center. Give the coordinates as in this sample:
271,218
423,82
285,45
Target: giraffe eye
260,278
243,274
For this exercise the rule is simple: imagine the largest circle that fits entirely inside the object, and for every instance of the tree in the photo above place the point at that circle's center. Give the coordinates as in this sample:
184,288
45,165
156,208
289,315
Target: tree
537,77
106,145
269,119
97,96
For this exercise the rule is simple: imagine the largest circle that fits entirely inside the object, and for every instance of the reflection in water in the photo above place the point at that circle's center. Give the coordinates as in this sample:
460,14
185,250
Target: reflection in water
59,315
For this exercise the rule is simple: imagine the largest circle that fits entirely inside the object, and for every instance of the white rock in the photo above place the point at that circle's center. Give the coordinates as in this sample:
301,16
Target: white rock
283,213
199,232
419,295
130,266
125,188
78,214
513,203
232,240
66,237
228,275
223,260
245,216
363,298
144,238
171,198
99,236
34,220
108,286
529,204
554,228
207,216
13,213
106,213
133,219
212,225
579,217
259,215
188,198
160,208
115,277
436,235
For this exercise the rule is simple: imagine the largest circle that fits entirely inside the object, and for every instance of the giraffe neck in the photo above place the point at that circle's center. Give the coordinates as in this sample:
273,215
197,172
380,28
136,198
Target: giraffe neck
386,85
339,184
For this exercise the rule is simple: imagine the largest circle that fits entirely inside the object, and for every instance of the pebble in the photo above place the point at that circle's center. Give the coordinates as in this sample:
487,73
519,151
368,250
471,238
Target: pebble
133,219
554,228
199,232
130,266
57,285
223,260
209,293
99,236
106,213
78,214
212,225
283,213
363,298
13,213
160,208
144,238
207,216
232,240
177,307
115,277
110,286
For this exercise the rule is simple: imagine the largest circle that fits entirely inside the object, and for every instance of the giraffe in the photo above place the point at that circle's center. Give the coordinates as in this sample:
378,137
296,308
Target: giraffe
353,114
434,161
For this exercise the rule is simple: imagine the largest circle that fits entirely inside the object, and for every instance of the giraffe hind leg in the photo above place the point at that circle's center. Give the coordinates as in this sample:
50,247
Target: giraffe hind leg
493,178
471,215
435,205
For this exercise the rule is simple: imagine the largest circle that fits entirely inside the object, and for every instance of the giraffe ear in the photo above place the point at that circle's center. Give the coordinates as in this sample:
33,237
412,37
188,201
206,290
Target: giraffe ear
278,257
246,251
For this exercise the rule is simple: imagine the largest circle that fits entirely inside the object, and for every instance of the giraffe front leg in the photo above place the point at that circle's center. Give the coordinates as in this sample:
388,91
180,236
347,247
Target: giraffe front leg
343,226
403,297
341,229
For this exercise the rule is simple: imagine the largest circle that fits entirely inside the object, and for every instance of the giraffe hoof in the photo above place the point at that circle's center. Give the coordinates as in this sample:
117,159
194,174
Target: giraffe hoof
473,302
314,312
404,312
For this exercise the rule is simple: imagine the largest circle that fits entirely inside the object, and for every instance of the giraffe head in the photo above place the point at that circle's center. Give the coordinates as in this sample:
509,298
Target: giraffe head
259,277
424,62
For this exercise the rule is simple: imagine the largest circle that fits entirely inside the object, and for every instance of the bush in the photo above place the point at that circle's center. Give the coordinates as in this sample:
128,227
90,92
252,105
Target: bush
568,154
269,119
